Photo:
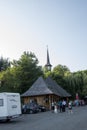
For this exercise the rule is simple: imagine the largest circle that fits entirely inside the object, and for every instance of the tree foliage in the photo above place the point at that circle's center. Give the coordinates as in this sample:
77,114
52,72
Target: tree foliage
77,83
59,73
23,73
4,64
61,70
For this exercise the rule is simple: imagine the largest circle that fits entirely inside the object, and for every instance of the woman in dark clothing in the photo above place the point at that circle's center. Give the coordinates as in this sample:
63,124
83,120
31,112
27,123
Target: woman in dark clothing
60,105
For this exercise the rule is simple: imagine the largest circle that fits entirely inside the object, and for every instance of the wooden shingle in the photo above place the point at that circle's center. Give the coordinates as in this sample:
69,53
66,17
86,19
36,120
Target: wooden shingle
44,87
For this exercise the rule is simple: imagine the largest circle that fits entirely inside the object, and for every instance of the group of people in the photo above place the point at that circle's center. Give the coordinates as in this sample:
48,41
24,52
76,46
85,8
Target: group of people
61,105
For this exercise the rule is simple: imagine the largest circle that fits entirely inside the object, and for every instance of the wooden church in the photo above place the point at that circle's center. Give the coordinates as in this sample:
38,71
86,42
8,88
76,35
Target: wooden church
45,91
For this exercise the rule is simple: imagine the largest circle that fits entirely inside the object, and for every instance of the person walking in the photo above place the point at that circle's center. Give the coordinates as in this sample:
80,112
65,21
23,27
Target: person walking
70,107
60,105
55,109
63,106
52,106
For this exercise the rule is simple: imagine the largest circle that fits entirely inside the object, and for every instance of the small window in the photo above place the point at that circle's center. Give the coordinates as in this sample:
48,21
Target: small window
1,102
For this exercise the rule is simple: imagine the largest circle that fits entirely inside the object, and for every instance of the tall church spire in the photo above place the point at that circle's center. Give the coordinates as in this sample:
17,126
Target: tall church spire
48,65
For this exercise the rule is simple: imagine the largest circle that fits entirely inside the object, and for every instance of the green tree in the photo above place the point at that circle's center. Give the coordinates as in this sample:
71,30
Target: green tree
59,73
61,70
70,84
7,81
84,88
4,64
22,74
77,83
27,70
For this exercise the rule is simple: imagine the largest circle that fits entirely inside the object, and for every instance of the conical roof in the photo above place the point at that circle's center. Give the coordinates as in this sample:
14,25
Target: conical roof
55,88
48,65
38,88
43,87
48,60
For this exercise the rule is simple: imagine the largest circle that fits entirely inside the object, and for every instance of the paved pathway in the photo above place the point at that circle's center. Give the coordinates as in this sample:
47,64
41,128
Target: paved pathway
50,121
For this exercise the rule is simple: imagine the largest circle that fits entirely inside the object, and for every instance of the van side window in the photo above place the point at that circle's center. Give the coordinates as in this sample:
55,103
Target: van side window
1,102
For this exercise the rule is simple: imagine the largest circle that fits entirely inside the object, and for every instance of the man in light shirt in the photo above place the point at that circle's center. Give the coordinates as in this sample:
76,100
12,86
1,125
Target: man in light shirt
63,105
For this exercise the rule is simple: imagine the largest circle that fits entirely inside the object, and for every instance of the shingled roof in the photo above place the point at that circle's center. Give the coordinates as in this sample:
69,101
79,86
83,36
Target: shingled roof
55,88
43,87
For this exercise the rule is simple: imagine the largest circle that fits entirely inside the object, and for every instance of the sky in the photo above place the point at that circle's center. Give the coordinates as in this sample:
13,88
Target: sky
32,25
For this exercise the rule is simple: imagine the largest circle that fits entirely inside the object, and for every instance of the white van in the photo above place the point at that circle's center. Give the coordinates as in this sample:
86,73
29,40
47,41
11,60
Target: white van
10,105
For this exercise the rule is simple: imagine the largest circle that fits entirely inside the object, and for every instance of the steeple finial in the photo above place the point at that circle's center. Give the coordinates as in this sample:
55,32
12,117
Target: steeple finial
48,65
